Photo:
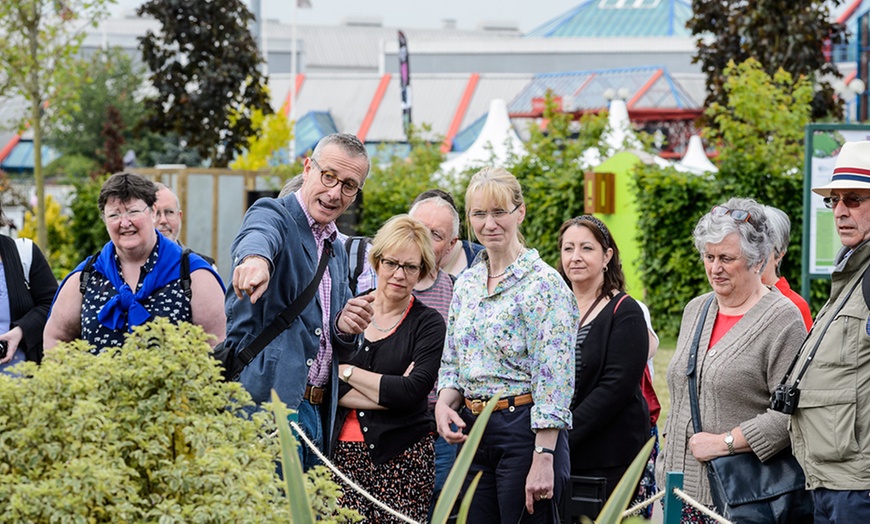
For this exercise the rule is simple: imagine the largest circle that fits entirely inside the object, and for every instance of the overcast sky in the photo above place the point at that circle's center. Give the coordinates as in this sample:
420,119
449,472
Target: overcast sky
410,13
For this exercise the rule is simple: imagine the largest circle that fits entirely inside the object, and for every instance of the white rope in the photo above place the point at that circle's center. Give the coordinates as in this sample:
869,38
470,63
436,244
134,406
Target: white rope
344,478
640,505
700,507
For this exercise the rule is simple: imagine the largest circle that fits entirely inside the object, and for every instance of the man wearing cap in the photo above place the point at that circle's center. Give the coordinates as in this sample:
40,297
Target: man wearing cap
830,427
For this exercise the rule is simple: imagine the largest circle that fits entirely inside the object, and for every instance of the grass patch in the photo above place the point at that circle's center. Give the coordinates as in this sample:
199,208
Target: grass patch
660,383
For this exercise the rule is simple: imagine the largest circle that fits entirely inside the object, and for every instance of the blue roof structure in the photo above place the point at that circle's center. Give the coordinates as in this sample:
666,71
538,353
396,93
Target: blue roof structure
313,126
650,87
615,18
463,140
20,159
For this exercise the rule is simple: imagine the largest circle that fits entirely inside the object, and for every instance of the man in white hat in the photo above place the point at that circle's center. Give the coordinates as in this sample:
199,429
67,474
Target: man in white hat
830,425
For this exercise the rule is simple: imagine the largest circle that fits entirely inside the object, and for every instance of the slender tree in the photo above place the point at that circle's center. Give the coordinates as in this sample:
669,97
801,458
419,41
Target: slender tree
205,70
791,35
37,58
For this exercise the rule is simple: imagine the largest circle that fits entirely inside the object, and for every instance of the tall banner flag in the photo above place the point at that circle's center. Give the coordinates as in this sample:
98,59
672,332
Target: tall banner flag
405,78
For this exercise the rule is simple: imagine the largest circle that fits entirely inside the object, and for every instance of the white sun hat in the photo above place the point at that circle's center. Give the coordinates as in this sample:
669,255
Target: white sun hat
852,170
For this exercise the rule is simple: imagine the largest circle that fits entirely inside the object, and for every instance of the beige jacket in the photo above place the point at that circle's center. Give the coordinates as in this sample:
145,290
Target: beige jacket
830,431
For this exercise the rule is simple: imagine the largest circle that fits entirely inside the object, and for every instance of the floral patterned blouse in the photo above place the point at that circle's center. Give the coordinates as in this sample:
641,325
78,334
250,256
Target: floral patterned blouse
520,339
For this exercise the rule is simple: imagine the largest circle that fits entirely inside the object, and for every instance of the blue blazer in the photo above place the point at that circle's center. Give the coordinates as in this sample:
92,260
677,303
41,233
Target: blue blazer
276,229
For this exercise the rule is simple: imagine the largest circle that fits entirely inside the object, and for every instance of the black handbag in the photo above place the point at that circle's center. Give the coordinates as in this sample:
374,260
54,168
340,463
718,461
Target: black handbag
745,489
234,361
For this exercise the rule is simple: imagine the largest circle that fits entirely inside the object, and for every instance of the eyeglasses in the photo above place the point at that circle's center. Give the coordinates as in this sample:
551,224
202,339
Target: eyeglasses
393,266
851,201
495,213
738,215
168,213
327,178
131,215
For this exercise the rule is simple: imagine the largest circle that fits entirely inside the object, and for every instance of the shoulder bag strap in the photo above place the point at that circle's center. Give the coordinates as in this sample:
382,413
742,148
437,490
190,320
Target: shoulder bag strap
692,367
284,319
812,354
25,253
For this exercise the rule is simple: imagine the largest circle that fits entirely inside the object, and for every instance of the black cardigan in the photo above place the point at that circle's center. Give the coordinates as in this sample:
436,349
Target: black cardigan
407,419
611,417
29,307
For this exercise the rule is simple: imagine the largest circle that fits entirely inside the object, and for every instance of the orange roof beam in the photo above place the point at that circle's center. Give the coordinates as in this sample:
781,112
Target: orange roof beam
642,91
461,110
300,78
373,107
9,147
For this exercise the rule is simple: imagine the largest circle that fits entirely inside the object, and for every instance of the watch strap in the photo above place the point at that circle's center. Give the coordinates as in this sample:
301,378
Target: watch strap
729,441
542,449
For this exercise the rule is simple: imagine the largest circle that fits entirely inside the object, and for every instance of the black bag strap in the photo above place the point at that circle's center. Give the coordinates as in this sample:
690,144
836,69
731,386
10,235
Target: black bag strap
356,256
86,273
283,320
185,273
692,366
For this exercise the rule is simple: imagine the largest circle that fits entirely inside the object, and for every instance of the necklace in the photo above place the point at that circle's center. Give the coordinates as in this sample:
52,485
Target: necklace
396,323
503,273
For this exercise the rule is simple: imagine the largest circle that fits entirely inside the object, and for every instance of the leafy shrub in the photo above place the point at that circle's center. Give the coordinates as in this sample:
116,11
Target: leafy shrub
760,138
60,236
146,433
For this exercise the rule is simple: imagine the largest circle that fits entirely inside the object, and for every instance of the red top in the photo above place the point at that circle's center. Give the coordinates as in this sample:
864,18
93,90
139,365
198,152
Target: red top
785,289
722,325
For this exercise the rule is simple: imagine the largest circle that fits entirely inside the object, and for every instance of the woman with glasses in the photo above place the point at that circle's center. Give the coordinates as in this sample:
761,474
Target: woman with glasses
511,330
748,337
134,278
611,417
384,429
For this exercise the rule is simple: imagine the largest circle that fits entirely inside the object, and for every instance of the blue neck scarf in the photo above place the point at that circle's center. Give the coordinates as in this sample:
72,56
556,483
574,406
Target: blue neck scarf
126,309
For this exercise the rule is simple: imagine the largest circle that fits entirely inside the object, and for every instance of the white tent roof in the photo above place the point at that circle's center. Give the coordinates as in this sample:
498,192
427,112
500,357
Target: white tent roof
497,141
695,159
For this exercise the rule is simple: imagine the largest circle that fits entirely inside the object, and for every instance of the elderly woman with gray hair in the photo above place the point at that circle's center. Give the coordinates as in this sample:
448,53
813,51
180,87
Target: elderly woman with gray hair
780,229
745,337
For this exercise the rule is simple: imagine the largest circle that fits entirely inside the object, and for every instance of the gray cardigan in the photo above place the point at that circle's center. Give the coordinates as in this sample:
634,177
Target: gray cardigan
736,378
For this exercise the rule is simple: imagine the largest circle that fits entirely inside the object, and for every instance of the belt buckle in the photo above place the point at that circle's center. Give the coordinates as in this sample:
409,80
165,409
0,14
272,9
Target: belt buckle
477,406
316,396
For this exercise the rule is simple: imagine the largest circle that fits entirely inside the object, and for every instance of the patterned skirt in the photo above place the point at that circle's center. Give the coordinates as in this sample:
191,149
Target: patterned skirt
404,483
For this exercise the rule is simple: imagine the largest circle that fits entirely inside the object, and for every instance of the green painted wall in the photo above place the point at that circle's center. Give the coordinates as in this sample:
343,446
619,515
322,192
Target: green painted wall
622,223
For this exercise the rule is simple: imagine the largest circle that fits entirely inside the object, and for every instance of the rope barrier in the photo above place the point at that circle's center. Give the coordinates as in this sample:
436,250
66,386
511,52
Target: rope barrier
344,478
700,507
640,505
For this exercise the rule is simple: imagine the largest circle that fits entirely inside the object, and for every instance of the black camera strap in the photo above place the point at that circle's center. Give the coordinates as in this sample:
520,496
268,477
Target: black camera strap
812,354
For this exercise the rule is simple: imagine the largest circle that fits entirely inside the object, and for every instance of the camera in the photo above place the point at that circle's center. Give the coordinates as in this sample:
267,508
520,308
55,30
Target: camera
785,398
4,347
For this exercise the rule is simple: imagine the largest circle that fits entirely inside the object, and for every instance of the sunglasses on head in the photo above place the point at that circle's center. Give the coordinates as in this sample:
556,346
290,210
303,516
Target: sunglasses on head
851,201
738,215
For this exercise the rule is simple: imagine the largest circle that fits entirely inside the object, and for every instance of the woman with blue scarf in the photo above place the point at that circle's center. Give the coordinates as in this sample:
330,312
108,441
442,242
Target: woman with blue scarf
136,277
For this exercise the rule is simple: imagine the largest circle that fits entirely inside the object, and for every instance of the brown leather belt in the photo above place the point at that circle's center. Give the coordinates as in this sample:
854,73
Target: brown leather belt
477,406
314,394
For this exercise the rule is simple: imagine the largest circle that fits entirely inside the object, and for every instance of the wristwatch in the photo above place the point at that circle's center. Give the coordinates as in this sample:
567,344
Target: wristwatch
542,449
729,441
348,371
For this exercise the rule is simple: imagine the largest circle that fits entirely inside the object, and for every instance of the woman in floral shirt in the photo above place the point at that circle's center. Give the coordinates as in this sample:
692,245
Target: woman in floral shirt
511,329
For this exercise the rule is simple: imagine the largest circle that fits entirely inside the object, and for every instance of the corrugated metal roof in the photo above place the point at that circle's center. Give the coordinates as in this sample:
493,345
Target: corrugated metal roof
345,47
436,97
620,18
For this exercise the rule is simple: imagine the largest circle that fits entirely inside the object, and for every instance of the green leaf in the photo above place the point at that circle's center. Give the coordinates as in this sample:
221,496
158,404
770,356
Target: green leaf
625,490
300,505
453,484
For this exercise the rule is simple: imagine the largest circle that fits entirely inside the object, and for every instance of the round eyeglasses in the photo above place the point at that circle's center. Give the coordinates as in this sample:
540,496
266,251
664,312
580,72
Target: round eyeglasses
327,178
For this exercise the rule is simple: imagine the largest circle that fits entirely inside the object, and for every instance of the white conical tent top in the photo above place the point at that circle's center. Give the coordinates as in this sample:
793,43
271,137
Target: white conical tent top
496,142
696,159
620,136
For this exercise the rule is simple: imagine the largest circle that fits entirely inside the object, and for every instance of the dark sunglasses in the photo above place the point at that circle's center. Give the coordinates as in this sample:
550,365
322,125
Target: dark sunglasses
850,201
738,215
